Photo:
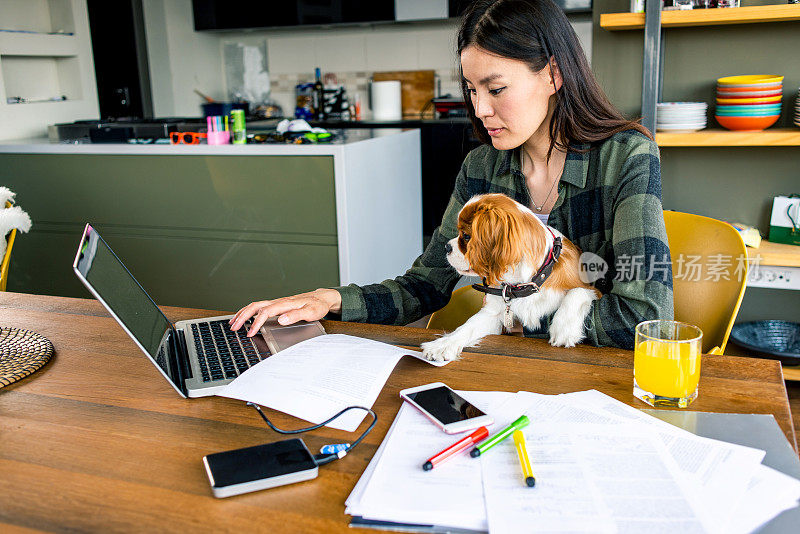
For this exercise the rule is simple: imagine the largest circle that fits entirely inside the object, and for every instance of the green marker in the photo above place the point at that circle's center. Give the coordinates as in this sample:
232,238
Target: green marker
520,423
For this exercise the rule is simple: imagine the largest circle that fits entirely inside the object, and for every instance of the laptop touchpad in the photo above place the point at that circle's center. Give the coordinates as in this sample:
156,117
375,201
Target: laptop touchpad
286,336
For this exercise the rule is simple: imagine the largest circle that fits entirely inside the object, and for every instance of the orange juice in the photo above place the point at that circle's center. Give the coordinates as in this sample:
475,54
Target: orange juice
667,369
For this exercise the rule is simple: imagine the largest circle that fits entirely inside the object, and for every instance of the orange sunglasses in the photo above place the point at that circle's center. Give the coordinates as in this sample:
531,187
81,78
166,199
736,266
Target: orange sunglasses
187,138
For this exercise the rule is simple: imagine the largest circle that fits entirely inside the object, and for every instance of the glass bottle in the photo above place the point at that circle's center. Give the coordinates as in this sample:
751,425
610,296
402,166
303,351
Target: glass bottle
319,95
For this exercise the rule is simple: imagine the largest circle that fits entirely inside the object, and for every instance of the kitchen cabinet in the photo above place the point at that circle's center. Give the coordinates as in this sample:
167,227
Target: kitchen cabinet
219,226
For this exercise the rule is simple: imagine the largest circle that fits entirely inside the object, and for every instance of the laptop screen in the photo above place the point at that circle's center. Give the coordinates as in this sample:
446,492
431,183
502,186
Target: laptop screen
116,287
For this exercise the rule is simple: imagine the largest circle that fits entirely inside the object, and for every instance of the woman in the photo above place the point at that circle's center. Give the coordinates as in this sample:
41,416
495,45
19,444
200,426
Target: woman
553,142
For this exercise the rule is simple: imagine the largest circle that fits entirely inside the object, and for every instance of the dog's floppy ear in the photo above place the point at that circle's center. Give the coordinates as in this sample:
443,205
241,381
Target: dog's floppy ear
496,243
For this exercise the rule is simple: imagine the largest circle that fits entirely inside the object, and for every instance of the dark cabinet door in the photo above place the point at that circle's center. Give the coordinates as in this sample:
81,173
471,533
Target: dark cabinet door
444,147
237,14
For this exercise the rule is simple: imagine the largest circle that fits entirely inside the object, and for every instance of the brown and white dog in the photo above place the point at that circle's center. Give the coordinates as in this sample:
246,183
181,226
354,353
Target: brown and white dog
503,242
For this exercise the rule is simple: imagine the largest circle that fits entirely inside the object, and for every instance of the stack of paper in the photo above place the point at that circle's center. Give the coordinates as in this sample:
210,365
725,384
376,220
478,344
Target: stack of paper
600,466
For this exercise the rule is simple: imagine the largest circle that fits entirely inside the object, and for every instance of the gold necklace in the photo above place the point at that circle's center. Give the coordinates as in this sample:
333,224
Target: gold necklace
552,187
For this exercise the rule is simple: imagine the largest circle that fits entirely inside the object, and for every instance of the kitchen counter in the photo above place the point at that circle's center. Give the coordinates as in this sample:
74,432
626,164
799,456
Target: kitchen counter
220,225
343,138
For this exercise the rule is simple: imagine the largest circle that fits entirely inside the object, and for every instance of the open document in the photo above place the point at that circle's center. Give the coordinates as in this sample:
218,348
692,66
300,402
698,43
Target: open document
589,478
600,466
319,377
395,488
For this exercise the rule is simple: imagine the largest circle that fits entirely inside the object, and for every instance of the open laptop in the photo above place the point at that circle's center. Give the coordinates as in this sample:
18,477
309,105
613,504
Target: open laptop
199,356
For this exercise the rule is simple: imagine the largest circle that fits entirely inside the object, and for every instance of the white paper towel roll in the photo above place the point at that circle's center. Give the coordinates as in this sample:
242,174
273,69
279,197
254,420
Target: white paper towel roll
386,101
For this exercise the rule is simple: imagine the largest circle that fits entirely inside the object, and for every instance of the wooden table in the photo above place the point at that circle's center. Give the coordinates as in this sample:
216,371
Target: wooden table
98,441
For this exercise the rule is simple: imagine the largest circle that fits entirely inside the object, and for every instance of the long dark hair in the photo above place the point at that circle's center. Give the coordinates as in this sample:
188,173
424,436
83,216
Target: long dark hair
534,31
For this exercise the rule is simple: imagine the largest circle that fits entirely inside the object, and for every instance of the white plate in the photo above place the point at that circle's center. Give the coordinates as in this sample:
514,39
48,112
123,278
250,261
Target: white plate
666,104
663,111
682,118
700,120
688,116
700,115
685,130
681,110
681,127
671,123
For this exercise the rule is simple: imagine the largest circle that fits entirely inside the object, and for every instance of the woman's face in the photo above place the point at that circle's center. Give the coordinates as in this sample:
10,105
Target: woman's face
508,97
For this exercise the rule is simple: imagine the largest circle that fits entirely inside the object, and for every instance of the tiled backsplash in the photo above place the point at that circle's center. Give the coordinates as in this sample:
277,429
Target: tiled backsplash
354,82
353,54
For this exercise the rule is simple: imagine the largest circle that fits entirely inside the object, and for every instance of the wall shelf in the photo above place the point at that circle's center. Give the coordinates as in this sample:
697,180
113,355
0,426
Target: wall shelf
704,17
718,137
35,77
38,44
776,254
45,52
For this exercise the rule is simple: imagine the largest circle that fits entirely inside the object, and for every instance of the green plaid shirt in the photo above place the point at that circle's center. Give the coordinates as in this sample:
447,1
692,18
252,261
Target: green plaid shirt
609,203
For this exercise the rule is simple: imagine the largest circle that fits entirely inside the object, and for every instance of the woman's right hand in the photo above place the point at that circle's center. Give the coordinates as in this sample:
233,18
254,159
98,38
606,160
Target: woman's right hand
310,306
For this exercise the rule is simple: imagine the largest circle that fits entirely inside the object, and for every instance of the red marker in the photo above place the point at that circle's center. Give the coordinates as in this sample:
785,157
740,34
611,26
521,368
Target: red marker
455,448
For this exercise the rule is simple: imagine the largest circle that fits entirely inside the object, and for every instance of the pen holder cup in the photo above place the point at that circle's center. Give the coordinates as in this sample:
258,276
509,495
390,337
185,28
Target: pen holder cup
219,138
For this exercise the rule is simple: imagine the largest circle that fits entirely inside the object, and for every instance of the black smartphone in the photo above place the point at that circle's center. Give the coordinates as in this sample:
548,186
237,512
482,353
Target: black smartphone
445,408
260,467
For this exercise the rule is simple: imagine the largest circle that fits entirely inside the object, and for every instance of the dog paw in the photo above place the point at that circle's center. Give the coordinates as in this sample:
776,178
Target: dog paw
566,335
440,350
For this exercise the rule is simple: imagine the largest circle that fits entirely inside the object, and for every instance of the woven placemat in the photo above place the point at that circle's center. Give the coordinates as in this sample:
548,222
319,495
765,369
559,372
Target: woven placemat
21,353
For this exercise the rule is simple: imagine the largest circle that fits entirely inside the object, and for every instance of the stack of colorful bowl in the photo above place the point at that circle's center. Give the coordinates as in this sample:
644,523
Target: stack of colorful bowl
749,103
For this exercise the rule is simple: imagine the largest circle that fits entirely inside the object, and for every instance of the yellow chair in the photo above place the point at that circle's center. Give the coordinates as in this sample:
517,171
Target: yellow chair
709,303
7,256
712,305
463,304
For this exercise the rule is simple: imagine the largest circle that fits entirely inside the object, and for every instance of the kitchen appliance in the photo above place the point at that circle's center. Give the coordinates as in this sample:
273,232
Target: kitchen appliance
449,106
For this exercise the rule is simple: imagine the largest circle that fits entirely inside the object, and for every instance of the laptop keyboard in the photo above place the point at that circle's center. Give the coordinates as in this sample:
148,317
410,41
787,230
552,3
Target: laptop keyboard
222,353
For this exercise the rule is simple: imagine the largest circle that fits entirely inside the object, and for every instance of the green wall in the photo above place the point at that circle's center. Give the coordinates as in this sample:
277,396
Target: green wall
201,231
734,184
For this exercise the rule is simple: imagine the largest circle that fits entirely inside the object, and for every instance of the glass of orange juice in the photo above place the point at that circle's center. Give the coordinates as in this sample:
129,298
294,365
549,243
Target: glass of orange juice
666,363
